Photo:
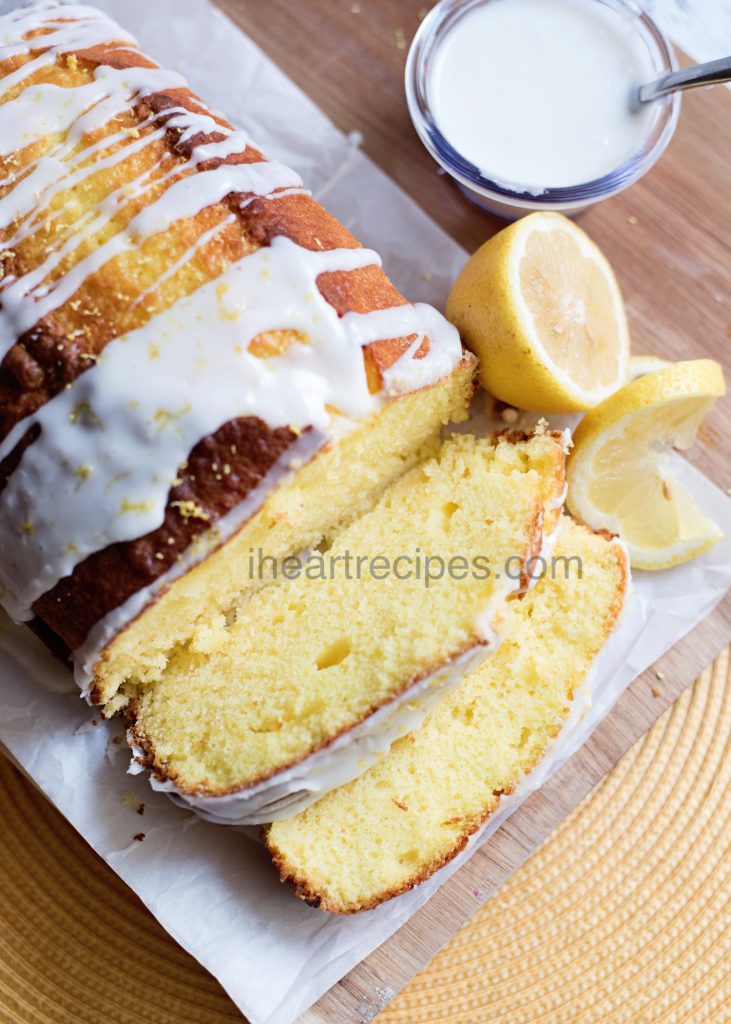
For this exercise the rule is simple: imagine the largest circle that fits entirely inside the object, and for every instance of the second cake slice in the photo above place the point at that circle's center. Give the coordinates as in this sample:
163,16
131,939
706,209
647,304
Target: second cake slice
318,674
410,814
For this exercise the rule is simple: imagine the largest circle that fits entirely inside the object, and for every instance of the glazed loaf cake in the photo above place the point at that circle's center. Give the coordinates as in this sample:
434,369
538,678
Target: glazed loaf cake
411,813
196,359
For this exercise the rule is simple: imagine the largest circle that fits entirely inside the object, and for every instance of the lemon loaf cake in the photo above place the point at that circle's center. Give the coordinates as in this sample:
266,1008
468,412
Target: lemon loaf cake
318,673
416,808
195,357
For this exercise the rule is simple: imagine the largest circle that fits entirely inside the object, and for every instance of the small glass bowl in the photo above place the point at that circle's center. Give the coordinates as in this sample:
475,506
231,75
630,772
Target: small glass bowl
499,198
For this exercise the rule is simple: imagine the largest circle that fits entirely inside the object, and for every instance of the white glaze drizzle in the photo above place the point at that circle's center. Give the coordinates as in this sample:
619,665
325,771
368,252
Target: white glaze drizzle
46,179
57,177
111,444
96,220
56,171
186,257
26,300
77,27
42,109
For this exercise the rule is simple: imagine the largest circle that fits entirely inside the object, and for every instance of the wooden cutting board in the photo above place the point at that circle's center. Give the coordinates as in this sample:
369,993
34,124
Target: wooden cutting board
668,239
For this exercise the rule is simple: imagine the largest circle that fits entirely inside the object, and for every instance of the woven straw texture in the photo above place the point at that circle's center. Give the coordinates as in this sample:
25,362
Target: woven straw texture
623,915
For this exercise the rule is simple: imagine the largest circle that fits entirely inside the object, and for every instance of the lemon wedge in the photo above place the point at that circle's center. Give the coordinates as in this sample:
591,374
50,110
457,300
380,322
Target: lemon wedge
619,472
540,307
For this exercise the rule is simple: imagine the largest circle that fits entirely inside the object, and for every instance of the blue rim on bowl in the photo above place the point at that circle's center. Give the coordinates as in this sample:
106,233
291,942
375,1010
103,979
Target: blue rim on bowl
498,196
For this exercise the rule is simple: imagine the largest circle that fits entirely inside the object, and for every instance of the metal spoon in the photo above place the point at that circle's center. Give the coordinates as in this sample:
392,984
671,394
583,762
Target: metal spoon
687,78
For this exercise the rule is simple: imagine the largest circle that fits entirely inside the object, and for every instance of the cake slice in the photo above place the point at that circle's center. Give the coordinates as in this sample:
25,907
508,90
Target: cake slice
313,679
407,816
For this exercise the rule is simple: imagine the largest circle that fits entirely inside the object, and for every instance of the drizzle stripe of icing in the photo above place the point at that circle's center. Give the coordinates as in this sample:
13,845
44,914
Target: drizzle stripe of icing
46,179
186,257
50,174
77,27
409,373
25,301
25,71
46,109
50,170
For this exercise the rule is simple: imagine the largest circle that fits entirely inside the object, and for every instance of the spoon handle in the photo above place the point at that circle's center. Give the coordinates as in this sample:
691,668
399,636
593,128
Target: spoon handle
687,78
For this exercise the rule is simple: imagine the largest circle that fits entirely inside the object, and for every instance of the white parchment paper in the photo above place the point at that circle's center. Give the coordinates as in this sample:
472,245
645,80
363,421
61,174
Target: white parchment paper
212,888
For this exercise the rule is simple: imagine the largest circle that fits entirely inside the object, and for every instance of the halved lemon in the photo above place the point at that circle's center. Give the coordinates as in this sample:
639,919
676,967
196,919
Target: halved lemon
540,306
619,472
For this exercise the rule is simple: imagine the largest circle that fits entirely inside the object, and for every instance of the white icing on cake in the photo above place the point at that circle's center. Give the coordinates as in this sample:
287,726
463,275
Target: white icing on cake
27,299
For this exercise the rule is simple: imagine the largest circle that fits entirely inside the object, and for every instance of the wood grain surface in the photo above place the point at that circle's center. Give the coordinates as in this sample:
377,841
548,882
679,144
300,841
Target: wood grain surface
668,239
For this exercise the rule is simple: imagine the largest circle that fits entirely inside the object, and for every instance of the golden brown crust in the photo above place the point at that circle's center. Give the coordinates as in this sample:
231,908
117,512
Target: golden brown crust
56,350
533,550
516,436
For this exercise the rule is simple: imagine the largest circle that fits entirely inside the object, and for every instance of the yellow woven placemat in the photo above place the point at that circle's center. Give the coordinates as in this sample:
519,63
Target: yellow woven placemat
623,915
